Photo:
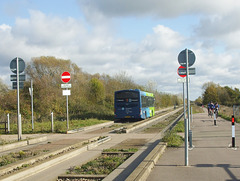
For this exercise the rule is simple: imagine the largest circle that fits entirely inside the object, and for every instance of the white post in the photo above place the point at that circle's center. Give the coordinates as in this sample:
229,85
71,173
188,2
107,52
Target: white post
184,106
20,126
8,122
52,122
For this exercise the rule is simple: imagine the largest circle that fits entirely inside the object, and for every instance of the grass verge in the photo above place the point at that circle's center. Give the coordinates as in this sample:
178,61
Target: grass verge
172,138
20,155
59,126
102,165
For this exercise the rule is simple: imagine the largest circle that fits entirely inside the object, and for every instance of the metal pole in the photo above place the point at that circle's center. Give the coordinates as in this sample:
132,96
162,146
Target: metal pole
184,106
188,111
67,114
18,104
191,115
32,104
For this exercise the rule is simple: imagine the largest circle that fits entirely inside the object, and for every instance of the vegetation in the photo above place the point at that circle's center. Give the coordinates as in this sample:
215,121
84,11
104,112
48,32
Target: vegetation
14,157
92,96
162,124
102,165
172,138
180,127
223,95
227,112
121,150
59,126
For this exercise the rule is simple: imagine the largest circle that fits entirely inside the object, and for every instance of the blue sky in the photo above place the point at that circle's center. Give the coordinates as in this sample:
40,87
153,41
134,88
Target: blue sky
141,38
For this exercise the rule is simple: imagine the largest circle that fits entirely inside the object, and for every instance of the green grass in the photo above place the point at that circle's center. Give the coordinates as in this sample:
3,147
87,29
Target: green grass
197,109
16,156
102,165
59,126
172,138
180,127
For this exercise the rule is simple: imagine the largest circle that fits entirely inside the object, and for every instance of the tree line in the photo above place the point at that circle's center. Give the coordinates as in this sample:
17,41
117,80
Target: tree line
92,96
215,93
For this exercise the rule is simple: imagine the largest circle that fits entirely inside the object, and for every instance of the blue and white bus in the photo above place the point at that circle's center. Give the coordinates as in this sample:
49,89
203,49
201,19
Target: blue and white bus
133,104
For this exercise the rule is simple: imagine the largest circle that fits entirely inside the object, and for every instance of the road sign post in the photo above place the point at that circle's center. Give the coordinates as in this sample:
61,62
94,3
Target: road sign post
186,59
183,80
17,66
66,78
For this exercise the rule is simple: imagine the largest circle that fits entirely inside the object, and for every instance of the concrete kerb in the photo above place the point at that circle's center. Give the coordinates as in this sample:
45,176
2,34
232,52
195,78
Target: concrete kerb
44,138
23,143
45,165
145,167
37,140
90,127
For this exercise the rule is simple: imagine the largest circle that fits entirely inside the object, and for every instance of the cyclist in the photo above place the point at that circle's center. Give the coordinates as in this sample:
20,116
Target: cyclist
210,108
216,108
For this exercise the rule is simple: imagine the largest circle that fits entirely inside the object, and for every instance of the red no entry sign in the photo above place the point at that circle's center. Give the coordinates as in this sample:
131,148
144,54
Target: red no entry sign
179,69
66,77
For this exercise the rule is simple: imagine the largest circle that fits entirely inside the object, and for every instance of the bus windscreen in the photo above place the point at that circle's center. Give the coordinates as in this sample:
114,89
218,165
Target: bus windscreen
122,96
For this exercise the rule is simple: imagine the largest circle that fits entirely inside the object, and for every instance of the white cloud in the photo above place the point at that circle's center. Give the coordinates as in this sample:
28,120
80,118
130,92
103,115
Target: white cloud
94,45
159,8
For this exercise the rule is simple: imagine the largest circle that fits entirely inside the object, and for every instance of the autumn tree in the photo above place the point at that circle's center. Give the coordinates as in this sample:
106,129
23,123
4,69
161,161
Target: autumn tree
210,93
46,75
223,95
91,95
97,91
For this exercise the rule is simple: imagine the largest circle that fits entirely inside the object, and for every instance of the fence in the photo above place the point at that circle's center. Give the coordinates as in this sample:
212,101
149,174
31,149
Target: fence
4,123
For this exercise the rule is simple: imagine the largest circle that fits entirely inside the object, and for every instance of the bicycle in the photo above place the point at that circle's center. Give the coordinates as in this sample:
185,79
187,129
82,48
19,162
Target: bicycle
210,113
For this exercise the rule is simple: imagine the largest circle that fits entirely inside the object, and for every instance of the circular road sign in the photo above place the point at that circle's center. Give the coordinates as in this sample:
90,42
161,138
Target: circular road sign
13,65
181,75
66,77
182,58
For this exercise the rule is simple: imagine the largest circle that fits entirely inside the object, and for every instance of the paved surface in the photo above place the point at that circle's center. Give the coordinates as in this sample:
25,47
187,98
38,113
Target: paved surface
212,157
59,140
51,174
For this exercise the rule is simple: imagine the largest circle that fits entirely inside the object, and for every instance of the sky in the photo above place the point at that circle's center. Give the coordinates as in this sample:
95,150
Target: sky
139,38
